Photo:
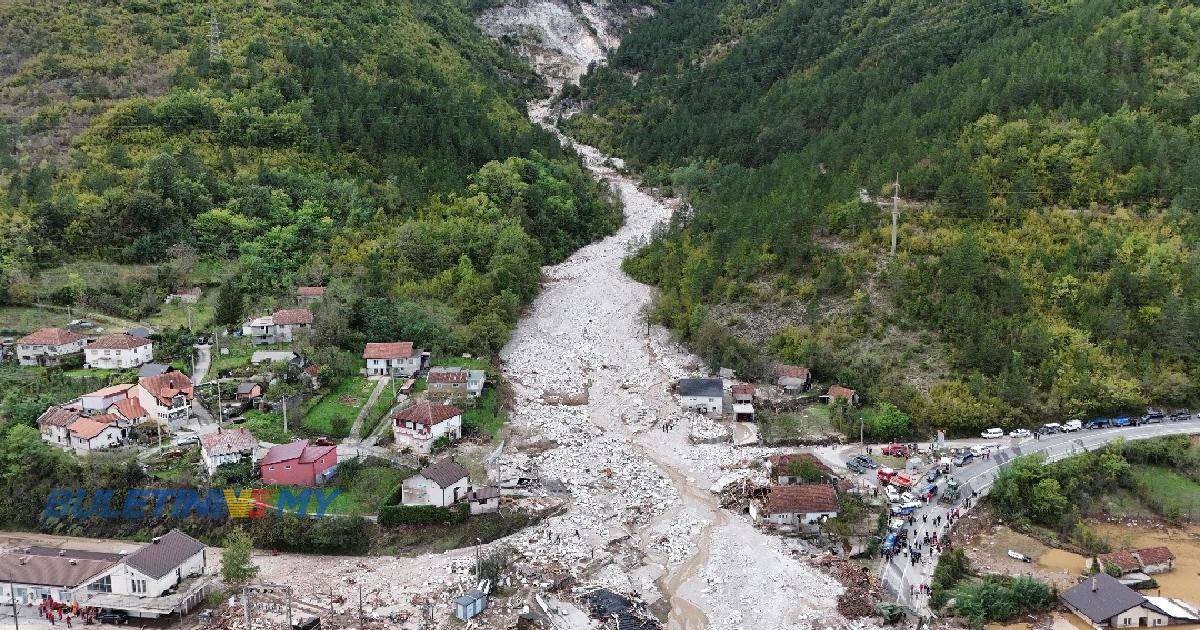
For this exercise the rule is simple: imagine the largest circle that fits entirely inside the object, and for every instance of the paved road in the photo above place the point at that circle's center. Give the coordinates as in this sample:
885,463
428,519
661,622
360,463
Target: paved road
203,361
900,575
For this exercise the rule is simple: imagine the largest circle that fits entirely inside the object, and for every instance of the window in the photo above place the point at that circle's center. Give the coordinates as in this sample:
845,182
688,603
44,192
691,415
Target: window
270,468
137,586
103,585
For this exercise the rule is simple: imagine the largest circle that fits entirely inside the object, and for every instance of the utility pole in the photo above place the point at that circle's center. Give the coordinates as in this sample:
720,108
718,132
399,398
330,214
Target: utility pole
289,609
212,356
895,210
478,559
284,399
360,607
13,598
246,605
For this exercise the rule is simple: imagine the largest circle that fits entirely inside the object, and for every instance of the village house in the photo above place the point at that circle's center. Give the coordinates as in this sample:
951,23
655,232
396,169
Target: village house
743,393
130,412
837,392
48,346
164,569
419,426
249,390
185,295
442,483
780,468
1104,602
105,397
93,433
166,397
1155,560
456,380
397,358
793,378
118,352
703,395
306,296
298,464
278,327
226,446
798,505
53,425
1148,561
484,500
162,578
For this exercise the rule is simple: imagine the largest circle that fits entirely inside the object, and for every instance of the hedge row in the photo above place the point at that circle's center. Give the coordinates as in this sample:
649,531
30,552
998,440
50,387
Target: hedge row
391,515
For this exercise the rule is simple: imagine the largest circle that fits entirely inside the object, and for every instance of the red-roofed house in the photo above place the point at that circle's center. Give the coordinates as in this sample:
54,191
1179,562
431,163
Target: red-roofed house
53,424
837,392
130,409
118,352
1155,560
105,397
743,393
226,446
278,327
798,505
308,295
397,358
456,380
1123,560
793,377
48,346
166,397
420,425
94,433
298,464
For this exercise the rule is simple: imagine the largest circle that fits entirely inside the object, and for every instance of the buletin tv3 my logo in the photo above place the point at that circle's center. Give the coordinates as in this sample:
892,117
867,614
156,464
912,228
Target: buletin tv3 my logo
139,503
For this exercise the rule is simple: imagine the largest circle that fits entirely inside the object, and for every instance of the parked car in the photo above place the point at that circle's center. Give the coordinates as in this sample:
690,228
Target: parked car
1071,426
866,460
902,511
980,451
933,474
895,450
1098,423
115,617
928,491
855,466
992,433
910,504
1019,433
1050,428
1123,421
1154,417
1180,416
962,459
891,494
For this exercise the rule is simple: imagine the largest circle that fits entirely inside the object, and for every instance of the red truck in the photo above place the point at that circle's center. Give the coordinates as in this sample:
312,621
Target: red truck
895,450
885,474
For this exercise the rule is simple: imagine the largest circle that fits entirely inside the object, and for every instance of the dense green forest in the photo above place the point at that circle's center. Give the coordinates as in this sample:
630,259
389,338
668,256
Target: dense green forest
1049,163
379,147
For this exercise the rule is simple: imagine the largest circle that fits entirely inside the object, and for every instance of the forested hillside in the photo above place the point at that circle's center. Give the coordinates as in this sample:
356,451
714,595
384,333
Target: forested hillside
1049,164
380,147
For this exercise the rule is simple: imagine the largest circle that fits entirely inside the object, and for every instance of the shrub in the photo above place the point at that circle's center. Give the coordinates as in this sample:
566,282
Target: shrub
392,515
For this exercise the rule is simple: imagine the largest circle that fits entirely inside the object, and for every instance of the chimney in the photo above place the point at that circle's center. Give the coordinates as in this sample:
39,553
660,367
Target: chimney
1093,584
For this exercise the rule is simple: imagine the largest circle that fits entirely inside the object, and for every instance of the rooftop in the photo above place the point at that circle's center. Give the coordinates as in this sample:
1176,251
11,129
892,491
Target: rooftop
111,390
444,473
448,375
427,413
290,316
1123,560
791,371
130,408
1154,555
46,570
118,342
310,291
57,416
49,337
152,369
226,441
167,385
837,391
1101,597
298,450
780,462
802,499
390,350
165,554
709,387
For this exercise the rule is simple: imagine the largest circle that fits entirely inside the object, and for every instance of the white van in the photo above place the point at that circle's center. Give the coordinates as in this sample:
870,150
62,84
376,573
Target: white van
892,494
993,433
1072,425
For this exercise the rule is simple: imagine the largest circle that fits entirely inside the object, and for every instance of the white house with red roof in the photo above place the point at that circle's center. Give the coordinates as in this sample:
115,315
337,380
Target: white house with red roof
397,358
456,380
226,446
794,506
53,423
105,397
165,397
298,464
93,433
118,352
278,327
419,426
48,346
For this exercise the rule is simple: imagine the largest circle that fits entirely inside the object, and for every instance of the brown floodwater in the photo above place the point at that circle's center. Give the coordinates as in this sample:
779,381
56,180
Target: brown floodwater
1183,582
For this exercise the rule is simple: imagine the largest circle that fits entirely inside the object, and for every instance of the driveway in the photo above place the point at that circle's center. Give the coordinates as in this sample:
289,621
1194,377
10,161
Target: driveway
899,575
203,361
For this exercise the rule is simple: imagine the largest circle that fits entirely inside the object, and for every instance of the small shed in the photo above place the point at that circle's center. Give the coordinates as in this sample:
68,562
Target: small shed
469,605
743,412
249,390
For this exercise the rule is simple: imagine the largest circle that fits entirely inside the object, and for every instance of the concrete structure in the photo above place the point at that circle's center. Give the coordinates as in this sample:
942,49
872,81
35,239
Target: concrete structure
226,446
794,506
278,327
392,359
456,380
442,483
484,500
743,412
298,464
48,346
167,397
743,393
420,425
29,576
794,378
705,395
1150,561
118,352
105,397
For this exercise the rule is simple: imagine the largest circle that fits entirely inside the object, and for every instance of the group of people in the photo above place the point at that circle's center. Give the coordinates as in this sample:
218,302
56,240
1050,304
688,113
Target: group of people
55,612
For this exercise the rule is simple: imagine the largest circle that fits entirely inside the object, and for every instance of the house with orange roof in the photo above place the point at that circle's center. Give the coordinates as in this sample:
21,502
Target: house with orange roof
308,295
837,392
166,397
48,346
92,433
396,358
105,397
118,352
419,426
794,378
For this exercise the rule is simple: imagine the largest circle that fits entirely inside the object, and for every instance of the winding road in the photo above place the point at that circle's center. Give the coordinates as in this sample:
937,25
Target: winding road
899,575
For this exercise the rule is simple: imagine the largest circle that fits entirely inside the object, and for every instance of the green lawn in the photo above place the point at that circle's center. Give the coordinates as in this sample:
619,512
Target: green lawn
26,319
174,315
92,274
85,372
345,400
812,422
240,351
470,364
1168,492
487,416
268,426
